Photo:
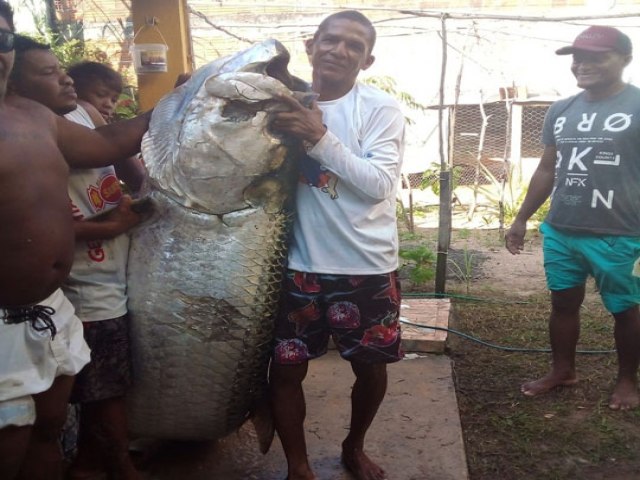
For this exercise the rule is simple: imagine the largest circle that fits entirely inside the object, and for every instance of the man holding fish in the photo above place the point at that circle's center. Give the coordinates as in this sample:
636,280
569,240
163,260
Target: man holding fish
342,265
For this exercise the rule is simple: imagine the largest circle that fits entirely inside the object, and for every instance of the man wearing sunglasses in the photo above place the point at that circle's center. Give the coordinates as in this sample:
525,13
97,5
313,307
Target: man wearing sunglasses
41,341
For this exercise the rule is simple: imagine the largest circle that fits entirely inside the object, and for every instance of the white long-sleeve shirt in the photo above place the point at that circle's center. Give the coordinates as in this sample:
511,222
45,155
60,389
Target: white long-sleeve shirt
345,220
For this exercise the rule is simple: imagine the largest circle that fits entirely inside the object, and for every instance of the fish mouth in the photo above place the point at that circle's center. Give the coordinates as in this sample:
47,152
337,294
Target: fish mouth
278,69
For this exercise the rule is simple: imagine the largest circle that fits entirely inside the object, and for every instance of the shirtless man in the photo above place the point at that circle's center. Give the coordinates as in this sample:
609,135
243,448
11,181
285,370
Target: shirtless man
41,344
96,285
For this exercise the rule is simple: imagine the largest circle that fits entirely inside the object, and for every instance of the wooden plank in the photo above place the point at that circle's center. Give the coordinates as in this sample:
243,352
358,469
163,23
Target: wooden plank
429,312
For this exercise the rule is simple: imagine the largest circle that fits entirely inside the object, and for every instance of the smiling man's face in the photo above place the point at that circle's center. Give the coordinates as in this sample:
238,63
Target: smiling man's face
598,71
338,53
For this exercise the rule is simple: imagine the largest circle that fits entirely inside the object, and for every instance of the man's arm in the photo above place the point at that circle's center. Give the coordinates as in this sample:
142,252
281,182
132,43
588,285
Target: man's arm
373,178
83,147
539,190
132,170
113,223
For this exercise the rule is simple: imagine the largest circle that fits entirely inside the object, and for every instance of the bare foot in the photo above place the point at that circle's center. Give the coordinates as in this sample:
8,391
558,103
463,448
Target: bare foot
625,396
361,466
546,383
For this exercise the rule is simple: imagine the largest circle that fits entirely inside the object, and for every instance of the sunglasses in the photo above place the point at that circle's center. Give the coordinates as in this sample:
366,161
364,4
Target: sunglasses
7,40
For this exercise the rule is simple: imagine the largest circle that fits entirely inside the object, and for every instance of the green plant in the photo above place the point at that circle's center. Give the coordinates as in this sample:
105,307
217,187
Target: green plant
423,211
464,233
421,262
409,236
431,177
464,271
70,51
388,84
127,106
510,199
510,204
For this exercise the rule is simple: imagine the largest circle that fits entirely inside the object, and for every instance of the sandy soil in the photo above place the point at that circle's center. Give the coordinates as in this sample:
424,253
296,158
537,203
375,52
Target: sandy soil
477,255
497,269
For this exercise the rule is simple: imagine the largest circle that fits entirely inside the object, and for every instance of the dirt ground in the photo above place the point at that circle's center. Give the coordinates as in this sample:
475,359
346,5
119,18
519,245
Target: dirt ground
494,267
502,299
477,258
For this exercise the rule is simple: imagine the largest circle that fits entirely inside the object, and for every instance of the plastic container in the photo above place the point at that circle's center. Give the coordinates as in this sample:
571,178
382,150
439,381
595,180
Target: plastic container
149,57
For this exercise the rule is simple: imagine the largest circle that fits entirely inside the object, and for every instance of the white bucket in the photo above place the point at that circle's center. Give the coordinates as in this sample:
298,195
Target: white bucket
149,57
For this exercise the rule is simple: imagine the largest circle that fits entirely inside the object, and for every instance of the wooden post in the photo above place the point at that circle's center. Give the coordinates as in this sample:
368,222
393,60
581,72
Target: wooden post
444,232
516,139
172,20
444,214
509,148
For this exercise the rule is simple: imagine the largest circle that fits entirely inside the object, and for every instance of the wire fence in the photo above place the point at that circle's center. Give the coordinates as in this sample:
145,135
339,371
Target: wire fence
484,76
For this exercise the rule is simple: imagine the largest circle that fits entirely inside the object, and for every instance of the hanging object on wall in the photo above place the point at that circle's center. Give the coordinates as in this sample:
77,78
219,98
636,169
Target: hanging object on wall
149,57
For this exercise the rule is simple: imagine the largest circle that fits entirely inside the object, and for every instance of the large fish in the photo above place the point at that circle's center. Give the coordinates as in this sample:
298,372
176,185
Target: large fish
204,272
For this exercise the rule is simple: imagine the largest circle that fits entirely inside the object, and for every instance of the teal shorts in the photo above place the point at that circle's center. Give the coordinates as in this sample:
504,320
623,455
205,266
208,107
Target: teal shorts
569,259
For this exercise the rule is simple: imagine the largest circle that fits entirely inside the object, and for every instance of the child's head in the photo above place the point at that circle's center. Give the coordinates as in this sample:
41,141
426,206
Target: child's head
97,84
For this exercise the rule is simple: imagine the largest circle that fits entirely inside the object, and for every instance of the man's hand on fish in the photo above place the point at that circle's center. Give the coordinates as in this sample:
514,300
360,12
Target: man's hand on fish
301,122
123,217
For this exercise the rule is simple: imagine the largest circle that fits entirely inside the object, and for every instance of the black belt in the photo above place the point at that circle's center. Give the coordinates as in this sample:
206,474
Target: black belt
38,315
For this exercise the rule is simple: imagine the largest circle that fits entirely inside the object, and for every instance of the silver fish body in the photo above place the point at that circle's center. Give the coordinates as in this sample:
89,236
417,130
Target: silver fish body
204,271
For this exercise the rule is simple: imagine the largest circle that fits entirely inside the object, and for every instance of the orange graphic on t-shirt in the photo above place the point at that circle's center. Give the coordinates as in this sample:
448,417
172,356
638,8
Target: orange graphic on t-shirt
108,191
95,198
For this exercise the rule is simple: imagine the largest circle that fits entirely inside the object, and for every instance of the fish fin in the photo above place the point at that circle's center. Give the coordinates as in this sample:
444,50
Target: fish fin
158,143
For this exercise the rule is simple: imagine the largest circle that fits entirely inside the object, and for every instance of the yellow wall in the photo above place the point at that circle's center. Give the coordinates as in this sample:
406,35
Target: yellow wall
172,21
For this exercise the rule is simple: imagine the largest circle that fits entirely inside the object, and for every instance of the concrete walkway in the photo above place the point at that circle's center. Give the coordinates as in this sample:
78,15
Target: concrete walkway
416,435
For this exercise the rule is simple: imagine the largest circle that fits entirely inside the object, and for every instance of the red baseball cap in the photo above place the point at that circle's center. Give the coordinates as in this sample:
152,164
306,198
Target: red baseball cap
599,39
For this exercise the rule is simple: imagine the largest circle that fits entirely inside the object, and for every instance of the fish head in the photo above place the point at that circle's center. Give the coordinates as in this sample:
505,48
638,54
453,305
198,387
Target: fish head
209,146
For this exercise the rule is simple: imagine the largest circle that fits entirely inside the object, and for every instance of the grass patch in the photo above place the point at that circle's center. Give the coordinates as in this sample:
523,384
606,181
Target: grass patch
566,434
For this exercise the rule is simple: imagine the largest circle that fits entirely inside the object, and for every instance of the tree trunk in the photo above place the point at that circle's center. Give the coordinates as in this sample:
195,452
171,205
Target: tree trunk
50,16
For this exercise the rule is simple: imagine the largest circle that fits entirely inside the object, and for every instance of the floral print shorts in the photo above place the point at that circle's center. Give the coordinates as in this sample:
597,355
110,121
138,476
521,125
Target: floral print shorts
361,312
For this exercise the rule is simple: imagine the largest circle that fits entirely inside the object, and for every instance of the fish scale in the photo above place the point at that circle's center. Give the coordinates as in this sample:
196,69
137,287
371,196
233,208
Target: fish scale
205,269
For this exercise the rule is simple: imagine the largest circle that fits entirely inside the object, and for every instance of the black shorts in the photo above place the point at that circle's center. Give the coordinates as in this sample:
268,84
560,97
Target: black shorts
108,374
